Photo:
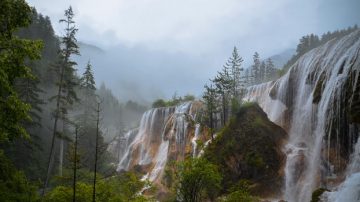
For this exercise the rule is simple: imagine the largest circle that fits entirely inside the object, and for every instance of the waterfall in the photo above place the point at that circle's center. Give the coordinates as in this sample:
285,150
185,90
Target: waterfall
162,132
193,141
309,102
349,190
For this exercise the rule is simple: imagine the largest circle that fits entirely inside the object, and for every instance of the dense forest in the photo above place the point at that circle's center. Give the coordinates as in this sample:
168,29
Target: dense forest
58,127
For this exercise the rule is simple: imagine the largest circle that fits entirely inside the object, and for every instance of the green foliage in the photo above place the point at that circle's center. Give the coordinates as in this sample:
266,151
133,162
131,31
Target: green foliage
65,193
254,159
13,184
122,187
311,41
188,97
159,103
235,105
13,52
246,105
258,122
198,179
315,197
246,149
175,100
240,195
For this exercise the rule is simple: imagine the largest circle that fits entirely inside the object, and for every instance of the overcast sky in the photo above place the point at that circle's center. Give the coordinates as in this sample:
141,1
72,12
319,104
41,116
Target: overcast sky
197,34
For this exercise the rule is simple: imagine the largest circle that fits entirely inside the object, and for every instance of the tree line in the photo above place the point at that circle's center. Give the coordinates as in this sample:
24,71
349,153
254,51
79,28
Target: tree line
51,125
311,41
223,96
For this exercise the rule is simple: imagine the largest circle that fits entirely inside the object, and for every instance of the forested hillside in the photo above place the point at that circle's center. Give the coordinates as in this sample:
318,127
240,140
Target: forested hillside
262,133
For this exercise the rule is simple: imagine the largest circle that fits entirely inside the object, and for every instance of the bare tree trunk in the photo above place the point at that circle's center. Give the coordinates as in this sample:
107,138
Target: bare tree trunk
96,149
75,161
56,118
61,154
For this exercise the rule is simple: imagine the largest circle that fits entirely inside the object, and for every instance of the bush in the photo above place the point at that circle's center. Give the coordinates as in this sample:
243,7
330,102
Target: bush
198,179
158,103
123,187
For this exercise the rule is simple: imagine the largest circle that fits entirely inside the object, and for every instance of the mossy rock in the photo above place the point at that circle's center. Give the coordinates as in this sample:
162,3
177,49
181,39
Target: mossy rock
319,87
315,197
249,147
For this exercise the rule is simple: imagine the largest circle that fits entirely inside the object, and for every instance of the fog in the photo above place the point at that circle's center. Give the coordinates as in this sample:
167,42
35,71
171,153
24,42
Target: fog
151,49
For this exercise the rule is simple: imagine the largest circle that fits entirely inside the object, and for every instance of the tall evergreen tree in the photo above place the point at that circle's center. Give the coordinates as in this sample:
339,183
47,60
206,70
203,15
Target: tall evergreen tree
234,65
262,72
271,72
210,100
14,111
87,80
256,68
223,83
66,95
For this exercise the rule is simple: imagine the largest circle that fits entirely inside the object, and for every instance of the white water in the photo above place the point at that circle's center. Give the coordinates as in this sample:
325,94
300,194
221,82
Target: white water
349,190
288,102
196,136
149,145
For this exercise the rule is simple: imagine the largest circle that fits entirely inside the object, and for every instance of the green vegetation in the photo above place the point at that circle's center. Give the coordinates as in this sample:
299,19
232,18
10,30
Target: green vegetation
240,192
198,180
315,197
175,100
14,51
311,41
248,148
123,187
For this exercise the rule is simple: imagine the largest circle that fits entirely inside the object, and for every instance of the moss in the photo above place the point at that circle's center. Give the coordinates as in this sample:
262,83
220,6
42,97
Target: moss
315,197
318,89
247,105
246,148
254,159
258,122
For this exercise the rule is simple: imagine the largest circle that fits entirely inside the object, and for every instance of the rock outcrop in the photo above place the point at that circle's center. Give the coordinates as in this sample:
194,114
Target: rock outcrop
249,148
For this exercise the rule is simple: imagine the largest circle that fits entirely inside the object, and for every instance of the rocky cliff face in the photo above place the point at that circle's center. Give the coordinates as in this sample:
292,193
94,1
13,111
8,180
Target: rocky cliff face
318,103
249,148
166,133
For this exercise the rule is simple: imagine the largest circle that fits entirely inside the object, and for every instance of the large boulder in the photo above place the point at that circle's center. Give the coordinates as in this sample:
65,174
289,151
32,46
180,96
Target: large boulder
249,148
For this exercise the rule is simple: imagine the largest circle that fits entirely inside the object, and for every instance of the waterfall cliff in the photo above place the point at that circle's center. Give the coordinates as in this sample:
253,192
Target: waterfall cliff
318,102
166,132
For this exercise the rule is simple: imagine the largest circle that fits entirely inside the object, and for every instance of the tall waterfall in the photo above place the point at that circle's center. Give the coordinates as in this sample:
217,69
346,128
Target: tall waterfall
163,132
314,102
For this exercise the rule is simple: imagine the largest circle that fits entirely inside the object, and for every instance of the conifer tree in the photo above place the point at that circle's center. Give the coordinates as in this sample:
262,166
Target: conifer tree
262,72
87,81
14,111
271,72
13,52
256,68
66,83
210,100
234,65
223,83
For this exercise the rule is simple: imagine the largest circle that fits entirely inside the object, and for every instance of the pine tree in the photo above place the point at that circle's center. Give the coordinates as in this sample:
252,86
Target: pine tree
256,68
87,85
66,95
87,80
96,149
271,71
86,119
14,111
210,100
262,72
223,83
234,65
13,52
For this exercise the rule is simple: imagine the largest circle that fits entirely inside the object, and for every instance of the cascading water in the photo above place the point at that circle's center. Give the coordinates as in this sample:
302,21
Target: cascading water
196,136
309,102
349,190
162,131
